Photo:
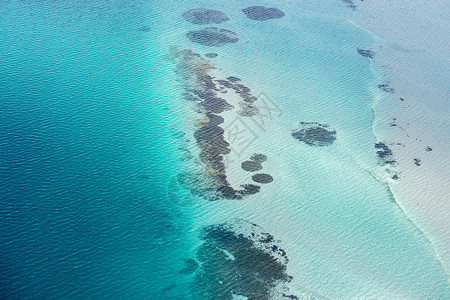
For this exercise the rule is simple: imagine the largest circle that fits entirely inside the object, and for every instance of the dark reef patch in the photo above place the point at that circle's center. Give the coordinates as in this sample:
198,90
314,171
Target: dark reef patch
259,158
239,258
211,55
216,105
350,4
202,16
190,266
383,150
249,189
262,178
247,109
214,119
384,153
315,134
212,36
233,79
385,87
251,166
366,53
261,13
201,88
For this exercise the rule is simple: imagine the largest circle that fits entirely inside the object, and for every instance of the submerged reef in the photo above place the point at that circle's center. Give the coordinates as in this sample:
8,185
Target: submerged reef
233,79
366,53
212,36
384,153
262,178
259,158
261,13
315,134
251,166
201,88
240,258
351,4
211,55
247,109
202,16
386,159
386,87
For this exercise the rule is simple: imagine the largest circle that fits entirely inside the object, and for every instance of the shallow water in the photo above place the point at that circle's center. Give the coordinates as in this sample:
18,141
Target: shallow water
93,120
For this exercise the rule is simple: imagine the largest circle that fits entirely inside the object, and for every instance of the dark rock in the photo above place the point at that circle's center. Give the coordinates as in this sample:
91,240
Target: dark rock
251,166
267,239
202,16
261,13
226,83
315,134
243,88
383,151
206,81
228,192
259,158
417,161
233,79
204,94
248,97
209,132
350,4
262,178
366,53
233,261
212,36
249,189
214,119
385,87
216,105
247,109
211,55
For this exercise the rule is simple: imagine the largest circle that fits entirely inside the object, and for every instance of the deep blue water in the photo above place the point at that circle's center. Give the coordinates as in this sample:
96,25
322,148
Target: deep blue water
83,208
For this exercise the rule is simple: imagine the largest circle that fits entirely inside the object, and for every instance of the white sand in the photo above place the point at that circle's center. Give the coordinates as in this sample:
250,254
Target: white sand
414,57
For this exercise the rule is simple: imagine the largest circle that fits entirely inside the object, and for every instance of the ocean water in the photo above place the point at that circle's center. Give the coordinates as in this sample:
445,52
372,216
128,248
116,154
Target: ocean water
87,146
92,132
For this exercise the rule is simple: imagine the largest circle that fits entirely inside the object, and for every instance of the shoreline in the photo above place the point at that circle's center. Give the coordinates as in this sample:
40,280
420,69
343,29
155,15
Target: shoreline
299,211
402,119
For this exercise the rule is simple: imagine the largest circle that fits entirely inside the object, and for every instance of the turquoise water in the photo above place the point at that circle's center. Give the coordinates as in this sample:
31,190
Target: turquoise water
91,112
86,150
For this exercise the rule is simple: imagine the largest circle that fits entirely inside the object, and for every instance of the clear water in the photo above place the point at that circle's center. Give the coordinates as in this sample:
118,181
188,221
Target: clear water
91,113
